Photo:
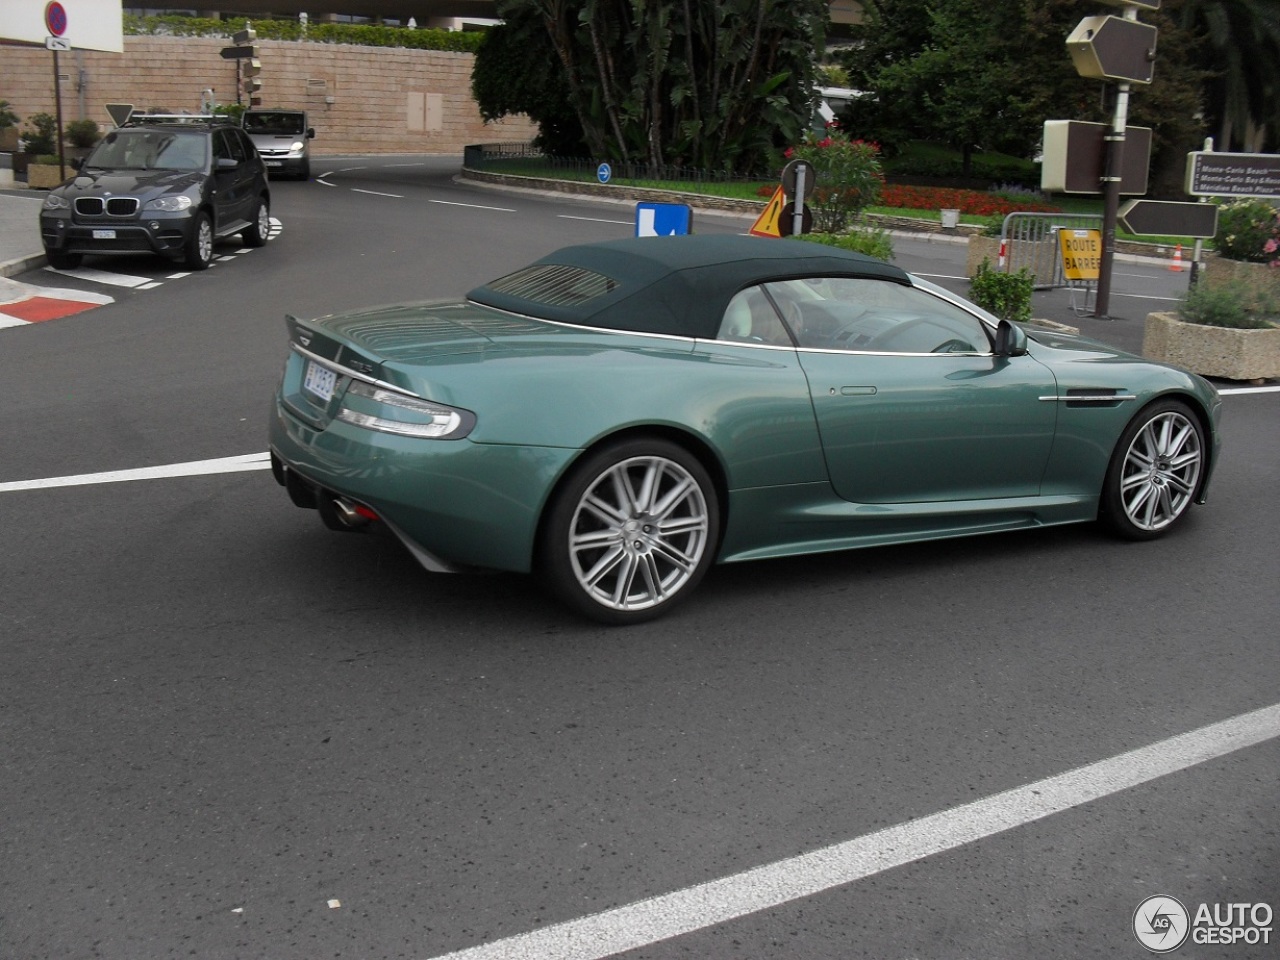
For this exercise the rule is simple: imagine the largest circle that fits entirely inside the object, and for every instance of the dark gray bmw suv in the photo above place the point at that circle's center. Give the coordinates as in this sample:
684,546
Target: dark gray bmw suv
170,185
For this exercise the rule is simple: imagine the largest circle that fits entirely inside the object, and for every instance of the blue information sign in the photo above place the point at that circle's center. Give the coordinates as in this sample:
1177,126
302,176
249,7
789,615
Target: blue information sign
604,172
663,219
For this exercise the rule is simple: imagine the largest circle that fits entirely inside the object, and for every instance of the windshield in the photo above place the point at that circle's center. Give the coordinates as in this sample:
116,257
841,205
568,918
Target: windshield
282,123
150,150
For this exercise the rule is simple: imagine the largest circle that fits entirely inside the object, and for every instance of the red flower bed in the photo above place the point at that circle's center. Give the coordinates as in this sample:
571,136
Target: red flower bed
973,202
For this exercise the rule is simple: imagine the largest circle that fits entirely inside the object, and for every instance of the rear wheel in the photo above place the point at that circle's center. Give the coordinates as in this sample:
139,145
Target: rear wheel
63,261
631,532
1155,471
199,246
256,234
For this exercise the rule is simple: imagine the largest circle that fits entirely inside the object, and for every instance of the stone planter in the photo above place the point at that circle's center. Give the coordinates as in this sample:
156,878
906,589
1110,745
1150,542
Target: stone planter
1039,257
1212,351
1258,282
43,176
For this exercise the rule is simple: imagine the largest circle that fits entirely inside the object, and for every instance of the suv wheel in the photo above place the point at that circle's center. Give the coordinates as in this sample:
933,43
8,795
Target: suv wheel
256,235
199,247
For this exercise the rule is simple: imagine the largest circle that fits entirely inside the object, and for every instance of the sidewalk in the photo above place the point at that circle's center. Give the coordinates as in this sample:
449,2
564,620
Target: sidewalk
20,246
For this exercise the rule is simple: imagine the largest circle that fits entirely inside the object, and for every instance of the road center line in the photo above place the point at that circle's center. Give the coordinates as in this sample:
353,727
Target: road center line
650,921
473,206
194,468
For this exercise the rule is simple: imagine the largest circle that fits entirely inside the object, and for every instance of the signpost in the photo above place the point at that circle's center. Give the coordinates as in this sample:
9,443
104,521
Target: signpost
1123,50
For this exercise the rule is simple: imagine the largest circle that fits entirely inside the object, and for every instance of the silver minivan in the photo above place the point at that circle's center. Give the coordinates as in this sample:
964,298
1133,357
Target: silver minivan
283,140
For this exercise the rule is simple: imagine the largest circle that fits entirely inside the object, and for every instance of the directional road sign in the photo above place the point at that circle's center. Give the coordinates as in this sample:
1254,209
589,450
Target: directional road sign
1111,48
663,219
1165,218
1233,174
239,53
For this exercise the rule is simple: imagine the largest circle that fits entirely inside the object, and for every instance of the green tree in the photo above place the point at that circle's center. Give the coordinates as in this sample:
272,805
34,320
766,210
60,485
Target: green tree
1240,51
989,74
716,85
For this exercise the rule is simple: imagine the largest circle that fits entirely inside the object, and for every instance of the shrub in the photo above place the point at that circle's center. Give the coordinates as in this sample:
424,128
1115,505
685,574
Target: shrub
1249,230
1007,295
976,203
872,242
83,133
7,117
1222,306
848,178
43,138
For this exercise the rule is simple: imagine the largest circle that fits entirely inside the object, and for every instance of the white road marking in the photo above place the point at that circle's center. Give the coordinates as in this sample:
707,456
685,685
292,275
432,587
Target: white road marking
1238,391
194,468
473,206
102,276
377,193
8,321
646,922
565,216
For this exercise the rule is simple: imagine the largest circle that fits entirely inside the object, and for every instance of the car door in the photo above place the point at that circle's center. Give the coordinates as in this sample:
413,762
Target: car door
234,194
912,404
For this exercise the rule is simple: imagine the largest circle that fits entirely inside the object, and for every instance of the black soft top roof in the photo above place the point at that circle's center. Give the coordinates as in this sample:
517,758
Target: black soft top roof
672,285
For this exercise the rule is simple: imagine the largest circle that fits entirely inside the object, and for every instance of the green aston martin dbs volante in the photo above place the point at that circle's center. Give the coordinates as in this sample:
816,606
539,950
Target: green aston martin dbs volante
618,416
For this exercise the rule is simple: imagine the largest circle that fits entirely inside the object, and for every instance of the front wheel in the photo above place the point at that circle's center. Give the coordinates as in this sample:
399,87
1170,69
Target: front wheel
631,532
199,246
1155,471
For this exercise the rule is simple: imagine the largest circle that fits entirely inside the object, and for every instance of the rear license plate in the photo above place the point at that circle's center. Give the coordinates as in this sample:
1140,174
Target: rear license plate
104,234
319,381
275,163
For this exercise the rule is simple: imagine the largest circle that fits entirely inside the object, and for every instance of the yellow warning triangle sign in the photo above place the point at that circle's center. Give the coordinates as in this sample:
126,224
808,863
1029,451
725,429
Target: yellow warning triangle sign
766,224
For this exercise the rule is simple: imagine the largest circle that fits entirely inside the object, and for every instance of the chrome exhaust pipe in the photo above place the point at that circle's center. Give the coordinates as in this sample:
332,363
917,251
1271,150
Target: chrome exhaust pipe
348,515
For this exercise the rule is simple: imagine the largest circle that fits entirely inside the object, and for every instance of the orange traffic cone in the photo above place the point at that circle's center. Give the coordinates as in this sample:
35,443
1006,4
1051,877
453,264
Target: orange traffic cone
1176,264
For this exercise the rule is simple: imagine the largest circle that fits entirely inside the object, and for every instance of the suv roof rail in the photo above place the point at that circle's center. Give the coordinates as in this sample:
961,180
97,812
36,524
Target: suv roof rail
192,118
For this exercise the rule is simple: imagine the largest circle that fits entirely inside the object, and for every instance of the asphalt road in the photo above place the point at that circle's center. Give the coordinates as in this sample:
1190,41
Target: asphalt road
226,732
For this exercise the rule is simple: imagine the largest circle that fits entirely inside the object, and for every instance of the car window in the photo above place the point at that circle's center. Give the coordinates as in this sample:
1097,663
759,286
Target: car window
227,147
751,318
182,152
877,316
280,124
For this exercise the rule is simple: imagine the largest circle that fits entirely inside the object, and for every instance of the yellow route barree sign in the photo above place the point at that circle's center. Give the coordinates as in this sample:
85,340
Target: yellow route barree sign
1081,253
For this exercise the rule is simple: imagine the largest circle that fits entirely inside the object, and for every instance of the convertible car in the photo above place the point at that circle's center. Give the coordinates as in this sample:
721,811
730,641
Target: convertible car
618,416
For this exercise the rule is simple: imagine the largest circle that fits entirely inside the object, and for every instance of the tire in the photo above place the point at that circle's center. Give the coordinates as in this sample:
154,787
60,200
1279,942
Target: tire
1155,471
256,235
304,171
63,261
199,246
631,531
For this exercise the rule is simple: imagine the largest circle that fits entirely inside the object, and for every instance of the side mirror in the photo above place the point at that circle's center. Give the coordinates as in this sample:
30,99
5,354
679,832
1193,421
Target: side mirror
311,133
1011,340
225,163
77,163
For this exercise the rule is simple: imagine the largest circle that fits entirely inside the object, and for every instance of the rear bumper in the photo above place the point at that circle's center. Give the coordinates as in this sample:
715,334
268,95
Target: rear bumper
453,503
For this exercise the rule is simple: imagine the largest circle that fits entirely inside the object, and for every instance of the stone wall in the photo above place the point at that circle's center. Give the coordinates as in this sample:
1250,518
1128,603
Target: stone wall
359,99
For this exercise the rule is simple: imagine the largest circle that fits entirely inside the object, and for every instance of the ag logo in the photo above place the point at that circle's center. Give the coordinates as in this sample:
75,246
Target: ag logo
1161,924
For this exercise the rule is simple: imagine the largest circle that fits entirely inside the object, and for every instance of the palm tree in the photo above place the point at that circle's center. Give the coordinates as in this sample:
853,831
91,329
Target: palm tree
1241,43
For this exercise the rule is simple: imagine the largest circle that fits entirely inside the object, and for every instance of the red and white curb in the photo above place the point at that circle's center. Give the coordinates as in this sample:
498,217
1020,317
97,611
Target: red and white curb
22,303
